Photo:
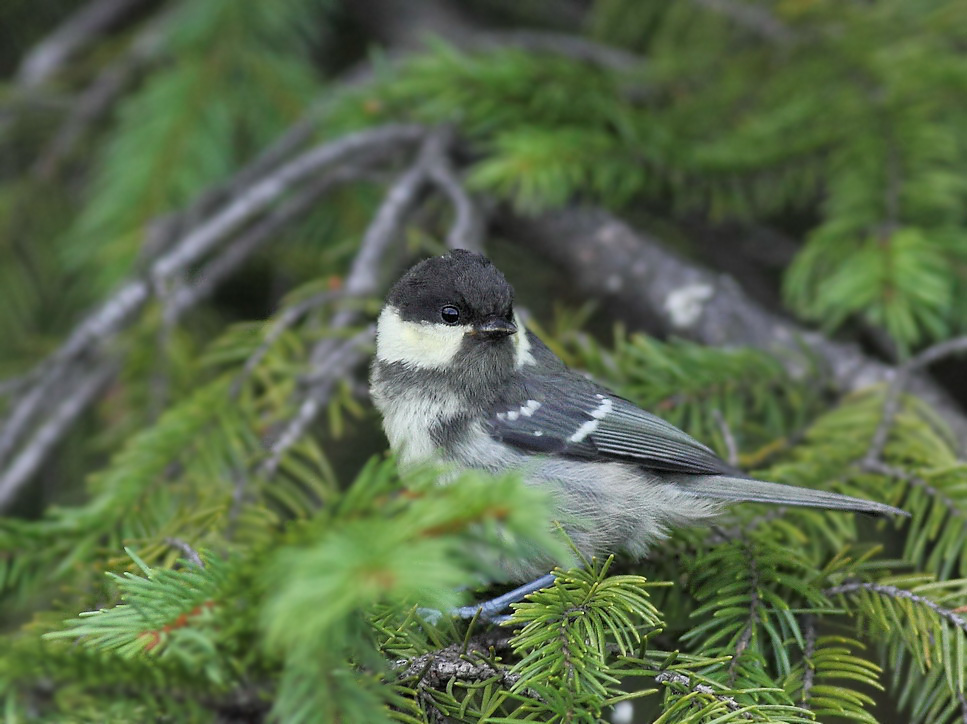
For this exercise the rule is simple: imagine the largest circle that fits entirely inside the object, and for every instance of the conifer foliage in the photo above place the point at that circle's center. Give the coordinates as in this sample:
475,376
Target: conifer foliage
201,205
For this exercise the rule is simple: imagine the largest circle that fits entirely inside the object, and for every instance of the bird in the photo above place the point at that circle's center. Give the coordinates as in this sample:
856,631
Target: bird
460,381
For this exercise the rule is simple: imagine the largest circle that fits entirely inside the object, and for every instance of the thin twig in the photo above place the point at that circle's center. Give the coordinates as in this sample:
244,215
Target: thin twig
754,605
257,197
467,229
191,555
731,448
683,680
289,316
569,46
904,373
71,36
337,364
809,672
894,592
37,448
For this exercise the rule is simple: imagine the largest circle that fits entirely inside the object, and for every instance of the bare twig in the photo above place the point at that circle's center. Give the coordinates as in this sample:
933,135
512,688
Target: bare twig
258,196
337,364
289,316
731,448
35,452
69,38
462,662
755,603
904,374
899,593
190,553
685,681
243,247
467,229
809,672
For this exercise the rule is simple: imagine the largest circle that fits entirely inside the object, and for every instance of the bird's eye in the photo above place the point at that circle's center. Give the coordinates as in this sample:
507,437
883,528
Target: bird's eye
450,314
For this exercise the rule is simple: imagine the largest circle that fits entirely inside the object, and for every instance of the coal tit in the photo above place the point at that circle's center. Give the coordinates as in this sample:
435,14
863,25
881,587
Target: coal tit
459,380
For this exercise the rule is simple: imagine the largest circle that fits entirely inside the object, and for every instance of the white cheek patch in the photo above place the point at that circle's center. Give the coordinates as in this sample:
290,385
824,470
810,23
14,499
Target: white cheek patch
417,344
522,345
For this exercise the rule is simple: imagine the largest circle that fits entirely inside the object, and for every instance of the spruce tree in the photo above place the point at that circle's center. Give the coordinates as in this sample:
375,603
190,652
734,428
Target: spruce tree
749,217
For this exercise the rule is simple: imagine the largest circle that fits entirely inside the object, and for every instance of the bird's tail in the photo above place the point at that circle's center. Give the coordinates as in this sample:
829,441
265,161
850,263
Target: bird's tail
750,490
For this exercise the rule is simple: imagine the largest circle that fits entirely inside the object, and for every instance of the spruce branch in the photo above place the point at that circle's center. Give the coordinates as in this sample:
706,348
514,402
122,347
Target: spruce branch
753,619
684,681
900,593
727,436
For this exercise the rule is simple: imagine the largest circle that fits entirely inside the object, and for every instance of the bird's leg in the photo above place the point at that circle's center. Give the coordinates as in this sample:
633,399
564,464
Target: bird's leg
488,610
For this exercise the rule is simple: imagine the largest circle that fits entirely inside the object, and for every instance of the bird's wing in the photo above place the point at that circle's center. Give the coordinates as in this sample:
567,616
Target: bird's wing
586,421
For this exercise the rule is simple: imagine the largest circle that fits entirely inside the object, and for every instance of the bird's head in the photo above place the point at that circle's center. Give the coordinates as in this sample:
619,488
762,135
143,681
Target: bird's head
451,311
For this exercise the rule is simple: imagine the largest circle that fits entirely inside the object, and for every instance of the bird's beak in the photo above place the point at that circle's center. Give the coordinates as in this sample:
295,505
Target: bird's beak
495,328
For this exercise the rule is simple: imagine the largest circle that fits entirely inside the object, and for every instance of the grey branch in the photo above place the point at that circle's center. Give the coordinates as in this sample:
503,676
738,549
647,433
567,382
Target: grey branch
70,37
244,246
37,448
900,593
658,290
569,46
